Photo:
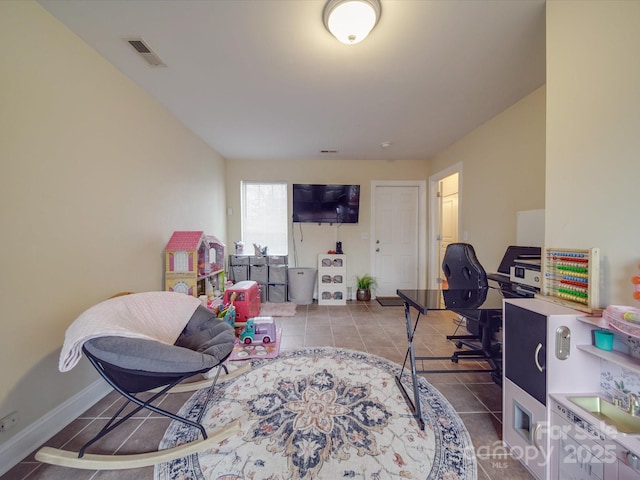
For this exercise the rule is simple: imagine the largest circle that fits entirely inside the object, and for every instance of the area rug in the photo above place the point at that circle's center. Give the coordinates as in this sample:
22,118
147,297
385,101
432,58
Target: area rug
242,351
390,301
270,309
322,413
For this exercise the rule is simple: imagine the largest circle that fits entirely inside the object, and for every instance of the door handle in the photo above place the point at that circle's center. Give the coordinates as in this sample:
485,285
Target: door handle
535,437
535,357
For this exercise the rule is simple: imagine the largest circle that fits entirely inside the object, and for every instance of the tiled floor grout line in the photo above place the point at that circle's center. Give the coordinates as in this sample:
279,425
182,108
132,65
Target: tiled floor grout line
130,436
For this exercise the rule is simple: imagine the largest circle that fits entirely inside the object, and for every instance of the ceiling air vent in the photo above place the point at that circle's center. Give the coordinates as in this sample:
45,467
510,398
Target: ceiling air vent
145,52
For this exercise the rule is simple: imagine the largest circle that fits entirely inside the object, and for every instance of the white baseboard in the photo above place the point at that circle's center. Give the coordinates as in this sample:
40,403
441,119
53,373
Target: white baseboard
31,437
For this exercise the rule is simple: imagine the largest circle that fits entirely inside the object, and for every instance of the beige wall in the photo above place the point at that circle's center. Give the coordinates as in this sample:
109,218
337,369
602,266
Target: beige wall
310,239
593,136
96,176
503,172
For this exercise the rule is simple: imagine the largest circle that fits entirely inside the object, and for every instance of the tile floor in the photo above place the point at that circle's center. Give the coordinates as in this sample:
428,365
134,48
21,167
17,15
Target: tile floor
364,326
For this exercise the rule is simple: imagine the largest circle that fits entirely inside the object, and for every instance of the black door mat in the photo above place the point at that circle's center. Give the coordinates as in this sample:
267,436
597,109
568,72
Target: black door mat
390,301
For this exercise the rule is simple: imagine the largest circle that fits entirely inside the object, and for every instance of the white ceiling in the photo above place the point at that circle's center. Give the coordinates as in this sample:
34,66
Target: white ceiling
263,79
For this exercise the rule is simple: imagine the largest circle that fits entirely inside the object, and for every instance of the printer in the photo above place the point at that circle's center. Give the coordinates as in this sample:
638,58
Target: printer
519,273
526,272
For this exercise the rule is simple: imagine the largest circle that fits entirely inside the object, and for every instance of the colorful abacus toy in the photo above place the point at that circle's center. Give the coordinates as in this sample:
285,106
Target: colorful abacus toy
571,277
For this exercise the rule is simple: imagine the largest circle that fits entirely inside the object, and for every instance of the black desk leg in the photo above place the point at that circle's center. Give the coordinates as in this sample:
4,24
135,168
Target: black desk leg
414,405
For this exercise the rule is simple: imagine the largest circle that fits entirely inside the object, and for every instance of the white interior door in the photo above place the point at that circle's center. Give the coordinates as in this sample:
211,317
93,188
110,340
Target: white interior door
448,215
396,238
445,202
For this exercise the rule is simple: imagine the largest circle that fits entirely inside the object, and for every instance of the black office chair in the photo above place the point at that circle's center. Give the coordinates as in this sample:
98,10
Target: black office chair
464,273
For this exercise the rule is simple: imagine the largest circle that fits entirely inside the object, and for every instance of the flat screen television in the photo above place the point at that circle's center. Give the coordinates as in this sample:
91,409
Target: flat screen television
326,203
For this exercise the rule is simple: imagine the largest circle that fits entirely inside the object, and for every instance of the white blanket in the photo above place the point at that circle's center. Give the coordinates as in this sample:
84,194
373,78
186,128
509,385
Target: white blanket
157,316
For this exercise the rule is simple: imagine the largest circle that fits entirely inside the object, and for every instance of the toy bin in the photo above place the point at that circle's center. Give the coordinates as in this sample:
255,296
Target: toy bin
277,293
239,273
302,282
247,299
277,274
258,273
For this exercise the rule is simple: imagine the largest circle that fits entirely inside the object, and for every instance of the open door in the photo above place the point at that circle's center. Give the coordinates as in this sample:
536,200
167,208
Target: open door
448,218
445,199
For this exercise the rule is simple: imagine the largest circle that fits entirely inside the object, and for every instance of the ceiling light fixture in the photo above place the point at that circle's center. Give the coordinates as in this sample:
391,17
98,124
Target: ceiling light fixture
350,21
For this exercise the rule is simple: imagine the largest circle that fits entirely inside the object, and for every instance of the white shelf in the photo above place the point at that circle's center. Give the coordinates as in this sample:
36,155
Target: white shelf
597,322
332,279
614,356
210,274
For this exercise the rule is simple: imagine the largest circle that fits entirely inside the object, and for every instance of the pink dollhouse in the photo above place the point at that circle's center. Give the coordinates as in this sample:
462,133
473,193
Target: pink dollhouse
194,264
187,263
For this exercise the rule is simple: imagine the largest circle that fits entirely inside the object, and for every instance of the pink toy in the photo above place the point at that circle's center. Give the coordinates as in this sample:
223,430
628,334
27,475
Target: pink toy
247,299
636,281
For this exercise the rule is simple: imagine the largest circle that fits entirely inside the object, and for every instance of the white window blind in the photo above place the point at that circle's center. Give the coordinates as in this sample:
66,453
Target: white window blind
264,216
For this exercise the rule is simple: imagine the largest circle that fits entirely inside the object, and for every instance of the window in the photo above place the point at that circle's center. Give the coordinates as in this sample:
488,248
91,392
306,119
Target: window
264,216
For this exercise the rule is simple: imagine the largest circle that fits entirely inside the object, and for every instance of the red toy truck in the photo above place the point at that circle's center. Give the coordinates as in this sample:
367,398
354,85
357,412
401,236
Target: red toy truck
247,299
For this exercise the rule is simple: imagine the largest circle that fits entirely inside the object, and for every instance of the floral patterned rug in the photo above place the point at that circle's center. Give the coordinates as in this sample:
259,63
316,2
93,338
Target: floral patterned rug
322,413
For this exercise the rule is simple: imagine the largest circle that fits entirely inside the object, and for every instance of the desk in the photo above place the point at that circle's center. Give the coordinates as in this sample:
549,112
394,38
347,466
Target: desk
475,304
511,289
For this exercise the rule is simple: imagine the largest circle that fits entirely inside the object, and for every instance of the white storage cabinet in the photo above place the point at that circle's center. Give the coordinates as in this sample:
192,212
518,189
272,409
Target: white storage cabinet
332,279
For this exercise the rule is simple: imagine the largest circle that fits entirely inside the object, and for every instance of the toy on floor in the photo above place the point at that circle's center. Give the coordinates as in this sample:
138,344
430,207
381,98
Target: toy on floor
245,297
226,311
258,329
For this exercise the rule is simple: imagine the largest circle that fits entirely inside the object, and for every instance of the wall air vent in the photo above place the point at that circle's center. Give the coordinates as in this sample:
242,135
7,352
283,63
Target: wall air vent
145,52
329,151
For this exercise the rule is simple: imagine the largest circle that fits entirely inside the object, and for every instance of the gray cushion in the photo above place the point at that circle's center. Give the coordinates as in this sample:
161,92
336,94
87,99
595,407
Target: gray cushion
204,343
207,334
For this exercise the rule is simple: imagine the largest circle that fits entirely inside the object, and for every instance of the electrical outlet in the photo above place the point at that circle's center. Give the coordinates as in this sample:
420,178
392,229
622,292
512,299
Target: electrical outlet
8,422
